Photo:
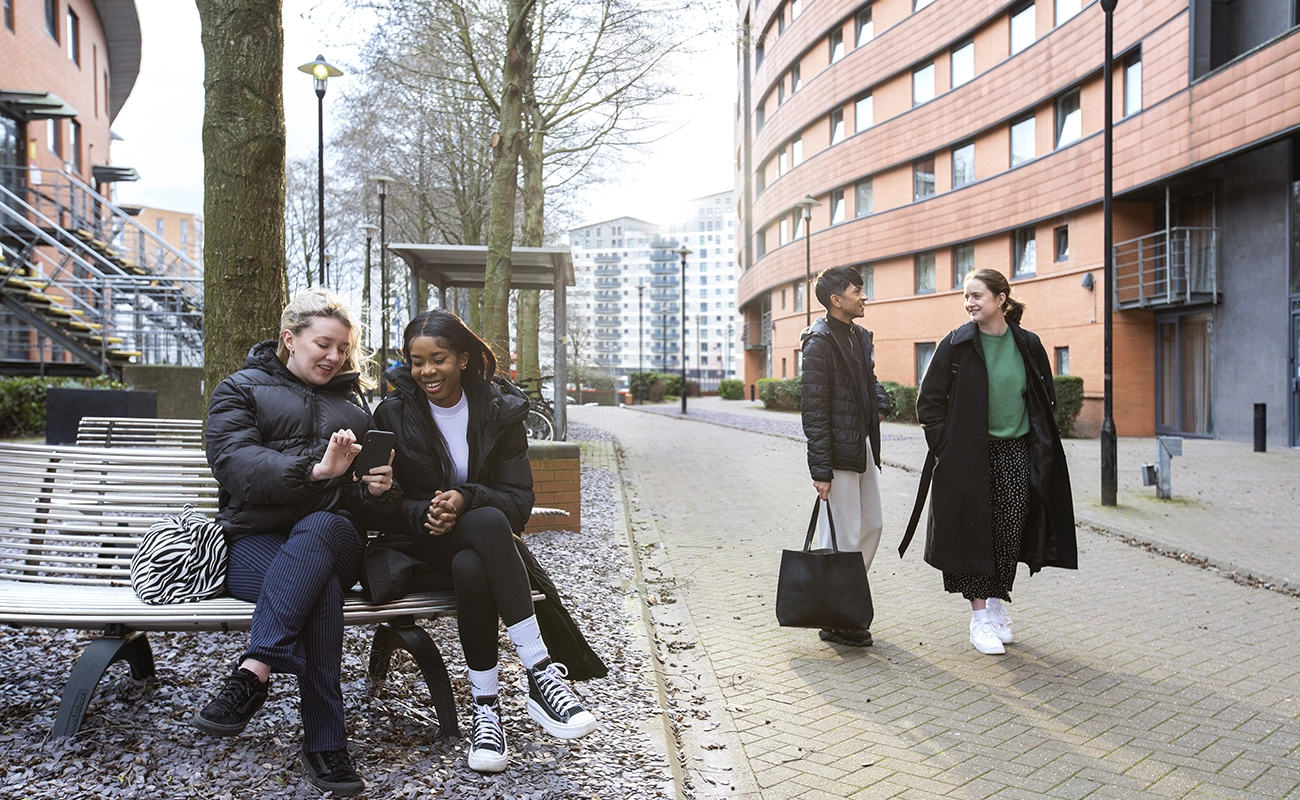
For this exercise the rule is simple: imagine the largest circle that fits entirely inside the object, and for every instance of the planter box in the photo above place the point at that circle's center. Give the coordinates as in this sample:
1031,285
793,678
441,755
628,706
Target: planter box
557,483
64,409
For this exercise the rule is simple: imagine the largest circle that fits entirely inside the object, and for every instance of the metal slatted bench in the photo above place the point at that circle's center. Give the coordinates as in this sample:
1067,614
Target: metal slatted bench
72,517
186,434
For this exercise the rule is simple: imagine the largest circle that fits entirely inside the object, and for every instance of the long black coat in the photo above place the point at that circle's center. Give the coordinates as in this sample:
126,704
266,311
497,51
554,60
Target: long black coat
266,429
953,407
832,402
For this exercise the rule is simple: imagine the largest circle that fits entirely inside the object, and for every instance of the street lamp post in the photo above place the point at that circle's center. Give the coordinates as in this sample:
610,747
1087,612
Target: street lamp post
683,251
726,367
321,71
807,204
699,363
368,230
640,327
382,182
1109,443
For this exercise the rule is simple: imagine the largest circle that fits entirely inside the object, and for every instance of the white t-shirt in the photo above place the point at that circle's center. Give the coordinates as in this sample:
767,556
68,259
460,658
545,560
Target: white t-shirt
453,423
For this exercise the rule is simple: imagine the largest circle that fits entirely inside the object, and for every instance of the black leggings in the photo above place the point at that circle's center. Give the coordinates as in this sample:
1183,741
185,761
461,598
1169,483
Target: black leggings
489,577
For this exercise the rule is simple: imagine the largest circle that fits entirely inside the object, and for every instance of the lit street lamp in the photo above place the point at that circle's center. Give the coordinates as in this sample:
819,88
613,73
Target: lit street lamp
382,182
368,230
321,71
683,251
807,204
1109,443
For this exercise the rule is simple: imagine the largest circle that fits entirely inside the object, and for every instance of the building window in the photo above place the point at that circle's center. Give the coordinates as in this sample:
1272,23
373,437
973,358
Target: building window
1022,27
925,272
868,280
1069,118
796,79
963,263
783,231
9,14
924,354
837,45
837,126
1062,361
1133,84
796,8
863,198
798,295
963,164
780,92
864,28
797,224
863,114
923,84
1065,9
759,54
780,20
1022,141
159,226
74,145
1025,255
782,163
1063,243
796,150
923,178
760,116
963,63
52,18
837,206
917,5
54,136
74,38
760,244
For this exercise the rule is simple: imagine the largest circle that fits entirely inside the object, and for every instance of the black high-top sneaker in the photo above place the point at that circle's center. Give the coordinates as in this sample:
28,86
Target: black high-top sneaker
238,700
553,705
487,740
333,771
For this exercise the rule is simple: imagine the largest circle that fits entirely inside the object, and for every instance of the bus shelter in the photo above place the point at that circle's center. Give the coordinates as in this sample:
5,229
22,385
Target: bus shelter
445,266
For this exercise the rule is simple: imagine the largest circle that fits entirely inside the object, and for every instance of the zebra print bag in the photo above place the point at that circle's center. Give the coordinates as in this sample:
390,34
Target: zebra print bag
182,559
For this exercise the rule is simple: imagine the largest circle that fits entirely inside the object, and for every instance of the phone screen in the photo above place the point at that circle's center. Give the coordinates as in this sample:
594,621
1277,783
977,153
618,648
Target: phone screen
374,452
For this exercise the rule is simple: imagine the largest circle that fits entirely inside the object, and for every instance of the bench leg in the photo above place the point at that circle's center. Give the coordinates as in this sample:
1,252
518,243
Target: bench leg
90,668
416,641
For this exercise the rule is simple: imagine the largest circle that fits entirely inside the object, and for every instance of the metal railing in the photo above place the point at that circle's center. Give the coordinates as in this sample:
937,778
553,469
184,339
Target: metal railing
1178,266
757,335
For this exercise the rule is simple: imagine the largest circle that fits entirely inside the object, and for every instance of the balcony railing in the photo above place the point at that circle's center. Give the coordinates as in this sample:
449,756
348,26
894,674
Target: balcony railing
1178,266
665,268
757,335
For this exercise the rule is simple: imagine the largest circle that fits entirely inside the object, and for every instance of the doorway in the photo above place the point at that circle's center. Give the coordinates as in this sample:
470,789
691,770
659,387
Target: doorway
11,153
1295,373
1185,373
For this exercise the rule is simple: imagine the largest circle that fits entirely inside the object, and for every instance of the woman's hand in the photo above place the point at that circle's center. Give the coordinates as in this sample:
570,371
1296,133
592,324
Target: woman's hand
380,479
444,509
338,457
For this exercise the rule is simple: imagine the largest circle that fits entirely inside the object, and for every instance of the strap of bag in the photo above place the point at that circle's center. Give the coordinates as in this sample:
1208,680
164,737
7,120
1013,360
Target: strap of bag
922,491
812,526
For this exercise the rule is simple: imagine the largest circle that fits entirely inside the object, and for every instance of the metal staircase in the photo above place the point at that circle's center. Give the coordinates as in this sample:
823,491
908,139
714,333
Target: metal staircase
79,276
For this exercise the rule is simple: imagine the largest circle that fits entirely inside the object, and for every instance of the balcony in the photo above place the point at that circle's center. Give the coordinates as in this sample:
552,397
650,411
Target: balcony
608,333
1174,267
665,308
670,333
672,348
664,282
608,269
608,294
607,319
608,308
757,335
658,267
664,244
605,283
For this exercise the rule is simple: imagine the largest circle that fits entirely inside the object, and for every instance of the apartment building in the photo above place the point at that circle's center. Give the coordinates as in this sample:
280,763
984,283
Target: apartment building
941,136
183,230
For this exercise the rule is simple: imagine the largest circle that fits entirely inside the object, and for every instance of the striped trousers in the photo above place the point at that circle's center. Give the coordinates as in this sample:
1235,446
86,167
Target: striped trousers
297,581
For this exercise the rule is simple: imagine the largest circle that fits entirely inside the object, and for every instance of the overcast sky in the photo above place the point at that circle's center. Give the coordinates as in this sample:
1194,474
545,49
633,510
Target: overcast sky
161,123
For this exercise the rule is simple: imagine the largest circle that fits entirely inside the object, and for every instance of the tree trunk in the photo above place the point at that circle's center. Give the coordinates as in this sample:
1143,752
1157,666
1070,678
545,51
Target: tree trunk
507,144
529,317
243,179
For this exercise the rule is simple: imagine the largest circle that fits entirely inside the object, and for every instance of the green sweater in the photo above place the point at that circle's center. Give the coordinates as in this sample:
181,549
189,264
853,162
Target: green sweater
1008,414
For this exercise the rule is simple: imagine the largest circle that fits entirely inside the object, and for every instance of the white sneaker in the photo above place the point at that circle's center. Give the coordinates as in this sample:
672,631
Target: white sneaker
984,638
1001,622
487,741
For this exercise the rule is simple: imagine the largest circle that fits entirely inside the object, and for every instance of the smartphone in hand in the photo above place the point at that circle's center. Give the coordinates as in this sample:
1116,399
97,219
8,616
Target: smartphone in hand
375,450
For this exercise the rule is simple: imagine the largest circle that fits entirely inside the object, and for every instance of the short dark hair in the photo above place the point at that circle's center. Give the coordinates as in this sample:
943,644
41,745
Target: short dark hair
836,280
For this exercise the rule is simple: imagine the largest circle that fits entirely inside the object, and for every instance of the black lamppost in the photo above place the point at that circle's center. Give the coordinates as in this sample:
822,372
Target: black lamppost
382,182
321,71
640,327
683,251
726,367
1109,443
807,204
368,230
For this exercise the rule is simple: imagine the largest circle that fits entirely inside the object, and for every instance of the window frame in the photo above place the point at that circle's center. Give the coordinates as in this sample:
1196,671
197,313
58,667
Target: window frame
968,44
959,274
1033,133
1056,11
924,263
52,19
1063,117
1061,236
917,5
968,144
870,100
8,13
836,123
863,22
1022,254
796,78
73,36
1019,12
927,67
54,137
918,181
74,145
868,273
1058,361
870,193
917,349
837,206
796,151
836,44
1134,60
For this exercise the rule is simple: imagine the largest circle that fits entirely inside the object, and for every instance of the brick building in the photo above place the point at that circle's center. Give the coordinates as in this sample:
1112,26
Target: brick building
945,135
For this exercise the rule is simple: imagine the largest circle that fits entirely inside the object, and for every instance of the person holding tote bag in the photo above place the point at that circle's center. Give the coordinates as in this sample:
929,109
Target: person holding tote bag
986,404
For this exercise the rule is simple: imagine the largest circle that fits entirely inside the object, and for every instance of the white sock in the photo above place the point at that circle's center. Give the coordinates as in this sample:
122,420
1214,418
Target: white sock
980,614
483,683
993,602
527,638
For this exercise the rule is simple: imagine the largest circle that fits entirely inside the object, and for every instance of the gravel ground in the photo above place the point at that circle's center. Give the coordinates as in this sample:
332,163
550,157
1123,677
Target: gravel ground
136,741
773,425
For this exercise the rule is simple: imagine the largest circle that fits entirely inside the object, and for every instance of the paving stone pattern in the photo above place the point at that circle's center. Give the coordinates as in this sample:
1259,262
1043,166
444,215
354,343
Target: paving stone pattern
1136,675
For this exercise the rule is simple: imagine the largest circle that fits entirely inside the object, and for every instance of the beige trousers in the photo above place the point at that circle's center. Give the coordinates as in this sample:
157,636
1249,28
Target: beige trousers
855,503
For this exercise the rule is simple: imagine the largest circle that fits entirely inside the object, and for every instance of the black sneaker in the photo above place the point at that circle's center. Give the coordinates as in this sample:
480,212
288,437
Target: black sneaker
553,705
851,638
333,771
487,741
228,713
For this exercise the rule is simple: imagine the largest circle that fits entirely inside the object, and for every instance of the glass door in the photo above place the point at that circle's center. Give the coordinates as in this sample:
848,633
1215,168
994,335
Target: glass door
1184,374
11,153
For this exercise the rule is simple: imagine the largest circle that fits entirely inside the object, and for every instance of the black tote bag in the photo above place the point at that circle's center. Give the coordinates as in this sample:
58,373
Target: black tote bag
823,588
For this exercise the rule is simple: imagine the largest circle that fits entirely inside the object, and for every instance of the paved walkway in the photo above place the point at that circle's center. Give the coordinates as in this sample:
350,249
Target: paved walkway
1135,675
1232,508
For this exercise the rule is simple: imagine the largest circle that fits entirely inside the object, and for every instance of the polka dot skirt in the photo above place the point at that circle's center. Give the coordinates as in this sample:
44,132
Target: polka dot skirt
1009,494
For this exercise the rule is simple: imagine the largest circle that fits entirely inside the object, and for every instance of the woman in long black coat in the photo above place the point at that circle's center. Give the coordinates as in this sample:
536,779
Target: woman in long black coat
986,403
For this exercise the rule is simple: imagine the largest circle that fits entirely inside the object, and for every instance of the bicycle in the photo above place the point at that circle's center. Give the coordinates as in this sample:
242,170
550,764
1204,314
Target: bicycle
540,420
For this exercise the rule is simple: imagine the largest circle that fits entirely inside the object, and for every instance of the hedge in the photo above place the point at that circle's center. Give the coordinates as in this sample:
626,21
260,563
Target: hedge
1069,402
780,394
22,401
903,399
731,389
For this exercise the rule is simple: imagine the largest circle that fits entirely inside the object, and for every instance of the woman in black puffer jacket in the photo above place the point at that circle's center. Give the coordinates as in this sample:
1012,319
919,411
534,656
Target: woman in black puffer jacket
281,436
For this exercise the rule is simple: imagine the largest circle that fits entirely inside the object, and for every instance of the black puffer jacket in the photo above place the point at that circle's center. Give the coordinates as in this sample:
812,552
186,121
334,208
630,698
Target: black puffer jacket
837,386
266,430
499,473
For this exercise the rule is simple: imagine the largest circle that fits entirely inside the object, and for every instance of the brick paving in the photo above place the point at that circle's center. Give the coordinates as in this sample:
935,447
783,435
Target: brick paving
1135,675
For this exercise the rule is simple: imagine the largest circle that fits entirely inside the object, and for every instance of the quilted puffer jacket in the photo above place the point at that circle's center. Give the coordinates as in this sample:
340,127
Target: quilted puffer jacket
838,386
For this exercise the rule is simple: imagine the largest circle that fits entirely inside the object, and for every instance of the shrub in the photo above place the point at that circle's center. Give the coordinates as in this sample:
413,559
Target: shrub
903,399
1069,401
640,384
731,389
658,389
672,384
22,401
780,394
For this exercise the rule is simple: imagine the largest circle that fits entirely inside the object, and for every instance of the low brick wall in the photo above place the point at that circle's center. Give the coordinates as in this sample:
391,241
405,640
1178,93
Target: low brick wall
557,483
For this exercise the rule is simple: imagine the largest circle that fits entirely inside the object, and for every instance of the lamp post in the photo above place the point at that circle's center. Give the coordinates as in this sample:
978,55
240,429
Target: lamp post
321,71
726,367
807,204
640,327
368,230
1109,444
683,251
382,182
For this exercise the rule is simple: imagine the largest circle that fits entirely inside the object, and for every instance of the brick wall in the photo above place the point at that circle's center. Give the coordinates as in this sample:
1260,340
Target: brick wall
557,483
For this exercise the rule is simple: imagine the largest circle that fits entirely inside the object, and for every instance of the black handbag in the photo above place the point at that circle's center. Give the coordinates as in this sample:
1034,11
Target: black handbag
823,588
